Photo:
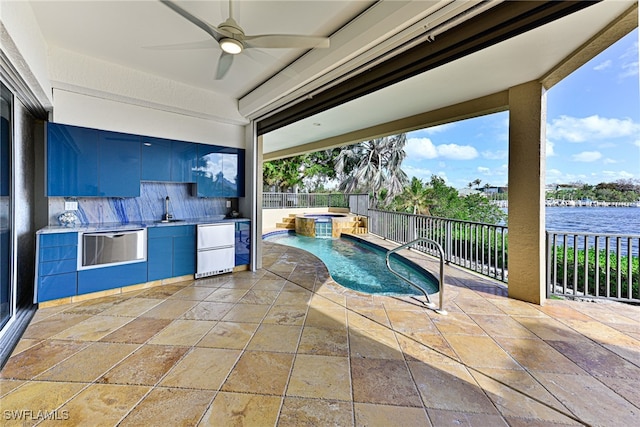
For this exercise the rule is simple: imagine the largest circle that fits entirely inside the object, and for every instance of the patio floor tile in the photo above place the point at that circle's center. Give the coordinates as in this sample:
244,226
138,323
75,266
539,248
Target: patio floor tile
254,348
196,369
450,387
260,372
89,363
137,331
297,411
323,342
383,381
242,409
183,332
276,338
229,335
320,377
100,405
170,407
371,415
144,367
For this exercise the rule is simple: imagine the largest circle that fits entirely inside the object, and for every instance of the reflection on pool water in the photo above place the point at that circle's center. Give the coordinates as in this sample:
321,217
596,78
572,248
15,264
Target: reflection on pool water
361,266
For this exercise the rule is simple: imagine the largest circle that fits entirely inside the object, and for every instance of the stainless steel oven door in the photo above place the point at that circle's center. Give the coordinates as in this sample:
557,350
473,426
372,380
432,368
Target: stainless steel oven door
101,249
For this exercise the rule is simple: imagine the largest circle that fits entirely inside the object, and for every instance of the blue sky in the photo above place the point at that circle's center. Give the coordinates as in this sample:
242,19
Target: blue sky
593,130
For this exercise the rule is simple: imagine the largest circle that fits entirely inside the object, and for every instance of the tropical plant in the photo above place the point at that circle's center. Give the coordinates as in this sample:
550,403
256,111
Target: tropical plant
416,198
372,166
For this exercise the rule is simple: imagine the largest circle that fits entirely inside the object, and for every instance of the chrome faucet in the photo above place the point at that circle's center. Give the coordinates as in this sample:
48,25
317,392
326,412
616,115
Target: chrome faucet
166,216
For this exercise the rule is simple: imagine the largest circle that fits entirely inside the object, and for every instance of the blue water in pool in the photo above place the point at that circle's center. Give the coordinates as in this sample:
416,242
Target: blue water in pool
359,266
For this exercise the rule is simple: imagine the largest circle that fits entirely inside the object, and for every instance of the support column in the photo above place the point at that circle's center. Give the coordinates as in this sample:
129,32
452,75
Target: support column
527,144
257,242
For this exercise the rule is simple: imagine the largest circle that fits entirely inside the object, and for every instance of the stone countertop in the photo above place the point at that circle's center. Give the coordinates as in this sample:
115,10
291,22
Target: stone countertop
83,228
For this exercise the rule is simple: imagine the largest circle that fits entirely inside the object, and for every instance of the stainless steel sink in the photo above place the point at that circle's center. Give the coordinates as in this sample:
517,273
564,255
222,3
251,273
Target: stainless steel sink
164,221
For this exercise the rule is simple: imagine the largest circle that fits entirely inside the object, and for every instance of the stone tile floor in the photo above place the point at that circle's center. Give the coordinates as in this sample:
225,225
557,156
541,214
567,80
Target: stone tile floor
287,346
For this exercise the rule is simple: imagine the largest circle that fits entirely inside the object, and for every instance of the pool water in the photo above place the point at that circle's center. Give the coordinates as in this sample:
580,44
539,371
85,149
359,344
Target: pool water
361,266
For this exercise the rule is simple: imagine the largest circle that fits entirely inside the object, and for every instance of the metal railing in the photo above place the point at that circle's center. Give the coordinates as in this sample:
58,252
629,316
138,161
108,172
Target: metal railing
315,200
474,246
593,265
441,282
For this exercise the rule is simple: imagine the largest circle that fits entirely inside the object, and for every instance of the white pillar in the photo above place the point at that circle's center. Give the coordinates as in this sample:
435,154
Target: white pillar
527,143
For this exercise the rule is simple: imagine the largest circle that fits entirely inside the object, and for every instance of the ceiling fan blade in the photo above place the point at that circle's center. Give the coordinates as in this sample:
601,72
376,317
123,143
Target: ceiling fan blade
204,44
224,63
283,41
209,29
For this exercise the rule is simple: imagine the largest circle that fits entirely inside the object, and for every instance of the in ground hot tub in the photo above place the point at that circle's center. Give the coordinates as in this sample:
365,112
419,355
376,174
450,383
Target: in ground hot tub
327,225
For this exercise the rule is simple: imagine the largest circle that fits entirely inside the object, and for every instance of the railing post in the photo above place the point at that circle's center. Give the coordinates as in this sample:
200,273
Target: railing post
448,240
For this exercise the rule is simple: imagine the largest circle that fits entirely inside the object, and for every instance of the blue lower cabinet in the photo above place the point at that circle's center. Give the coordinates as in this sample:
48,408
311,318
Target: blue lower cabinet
184,255
171,251
100,279
57,265
243,243
56,286
159,253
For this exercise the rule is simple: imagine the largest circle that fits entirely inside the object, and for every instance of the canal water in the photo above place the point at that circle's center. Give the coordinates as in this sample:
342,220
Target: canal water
601,220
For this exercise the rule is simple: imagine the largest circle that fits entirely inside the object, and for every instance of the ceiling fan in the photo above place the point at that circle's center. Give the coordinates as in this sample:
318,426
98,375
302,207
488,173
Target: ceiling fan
233,40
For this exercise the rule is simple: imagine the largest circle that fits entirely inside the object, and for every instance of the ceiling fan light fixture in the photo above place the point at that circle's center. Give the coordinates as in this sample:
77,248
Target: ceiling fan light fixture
231,46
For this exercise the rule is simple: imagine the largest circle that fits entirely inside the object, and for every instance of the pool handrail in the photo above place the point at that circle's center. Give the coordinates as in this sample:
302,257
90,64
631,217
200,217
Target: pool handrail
440,285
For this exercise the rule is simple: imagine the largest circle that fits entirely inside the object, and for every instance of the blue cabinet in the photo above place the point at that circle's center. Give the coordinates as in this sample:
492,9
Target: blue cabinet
168,161
117,276
156,159
171,251
184,161
57,265
119,162
220,171
243,242
91,163
72,160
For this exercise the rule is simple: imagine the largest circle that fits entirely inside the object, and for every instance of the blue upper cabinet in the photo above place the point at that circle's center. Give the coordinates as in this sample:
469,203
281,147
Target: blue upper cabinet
119,161
72,160
167,160
220,171
209,175
156,159
184,161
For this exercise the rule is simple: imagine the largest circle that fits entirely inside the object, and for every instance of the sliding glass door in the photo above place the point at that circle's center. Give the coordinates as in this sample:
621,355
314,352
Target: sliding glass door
6,259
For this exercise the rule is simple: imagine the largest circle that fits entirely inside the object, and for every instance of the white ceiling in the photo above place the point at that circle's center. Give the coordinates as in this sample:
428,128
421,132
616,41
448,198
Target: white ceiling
125,32
128,33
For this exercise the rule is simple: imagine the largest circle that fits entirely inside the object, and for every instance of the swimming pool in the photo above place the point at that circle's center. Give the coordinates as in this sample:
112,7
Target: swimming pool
360,265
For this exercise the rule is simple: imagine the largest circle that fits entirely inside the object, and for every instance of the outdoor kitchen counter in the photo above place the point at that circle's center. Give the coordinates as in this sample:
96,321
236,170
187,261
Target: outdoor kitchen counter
117,226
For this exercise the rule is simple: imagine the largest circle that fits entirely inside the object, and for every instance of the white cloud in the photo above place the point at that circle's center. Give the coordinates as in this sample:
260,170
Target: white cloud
603,65
609,161
495,155
616,175
575,129
630,69
587,156
439,128
421,147
637,143
420,173
630,66
549,149
457,152
425,148
494,172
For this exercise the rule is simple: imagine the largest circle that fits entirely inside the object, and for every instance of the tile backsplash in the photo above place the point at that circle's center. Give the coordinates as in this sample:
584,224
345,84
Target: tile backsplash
149,206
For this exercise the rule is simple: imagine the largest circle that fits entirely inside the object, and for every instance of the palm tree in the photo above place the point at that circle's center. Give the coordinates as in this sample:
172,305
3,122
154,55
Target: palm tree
416,197
371,166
